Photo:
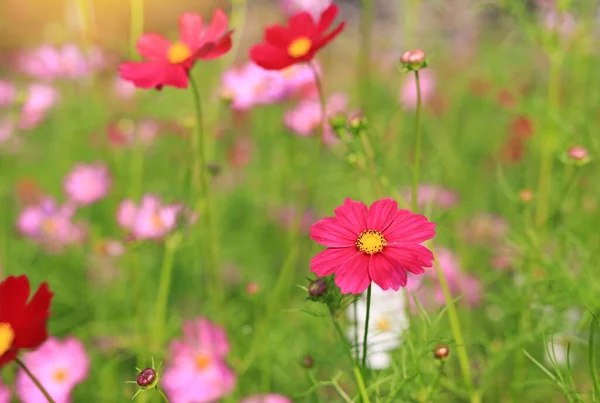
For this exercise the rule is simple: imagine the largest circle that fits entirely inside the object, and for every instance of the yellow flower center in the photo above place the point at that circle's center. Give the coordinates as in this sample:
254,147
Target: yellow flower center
383,325
202,361
299,47
7,335
178,52
370,242
60,375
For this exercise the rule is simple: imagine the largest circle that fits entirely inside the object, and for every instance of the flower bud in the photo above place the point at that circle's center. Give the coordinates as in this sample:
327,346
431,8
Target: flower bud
358,123
577,155
147,378
526,195
308,361
441,351
317,288
338,124
413,59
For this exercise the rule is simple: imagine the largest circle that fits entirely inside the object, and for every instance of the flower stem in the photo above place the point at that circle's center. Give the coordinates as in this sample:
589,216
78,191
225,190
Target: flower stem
365,337
199,178
35,380
162,394
417,156
164,286
136,24
463,356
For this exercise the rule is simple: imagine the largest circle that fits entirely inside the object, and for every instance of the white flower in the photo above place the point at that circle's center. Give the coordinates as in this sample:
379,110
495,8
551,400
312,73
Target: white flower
387,322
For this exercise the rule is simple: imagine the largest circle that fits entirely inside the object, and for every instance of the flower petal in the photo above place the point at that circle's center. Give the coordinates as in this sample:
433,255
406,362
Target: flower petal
153,47
142,74
327,262
327,18
409,227
190,29
353,276
333,232
381,214
329,37
217,27
279,36
14,292
387,271
302,24
413,257
354,213
219,48
270,57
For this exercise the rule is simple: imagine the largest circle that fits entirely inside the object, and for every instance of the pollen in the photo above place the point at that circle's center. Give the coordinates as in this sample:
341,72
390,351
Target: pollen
202,361
299,47
179,52
60,375
370,242
7,335
383,325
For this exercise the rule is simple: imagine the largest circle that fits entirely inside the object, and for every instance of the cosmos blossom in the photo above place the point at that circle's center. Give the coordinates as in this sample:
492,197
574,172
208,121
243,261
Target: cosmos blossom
23,325
377,244
169,63
296,43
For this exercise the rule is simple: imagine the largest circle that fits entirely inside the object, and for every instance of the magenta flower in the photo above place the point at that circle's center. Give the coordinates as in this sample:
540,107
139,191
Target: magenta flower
435,195
379,244
8,93
151,219
58,365
267,398
87,183
4,394
408,90
198,372
305,118
313,7
50,225
251,85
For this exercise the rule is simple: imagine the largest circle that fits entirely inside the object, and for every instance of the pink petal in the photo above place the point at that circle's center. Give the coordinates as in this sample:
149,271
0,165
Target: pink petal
190,29
153,47
176,75
354,213
409,227
333,232
329,37
353,276
328,261
381,214
413,257
219,48
270,57
217,27
387,272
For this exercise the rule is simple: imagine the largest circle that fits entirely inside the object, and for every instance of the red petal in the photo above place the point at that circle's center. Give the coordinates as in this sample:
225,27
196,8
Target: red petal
279,36
190,30
409,227
32,329
153,47
387,272
8,357
329,37
176,75
333,232
327,18
270,57
302,24
353,276
218,49
354,213
381,214
217,27
328,261
14,293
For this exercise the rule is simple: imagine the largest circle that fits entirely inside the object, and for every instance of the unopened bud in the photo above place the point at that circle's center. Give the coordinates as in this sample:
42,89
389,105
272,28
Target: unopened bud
308,361
147,378
526,195
338,123
441,351
413,59
577,155
317,288
358,123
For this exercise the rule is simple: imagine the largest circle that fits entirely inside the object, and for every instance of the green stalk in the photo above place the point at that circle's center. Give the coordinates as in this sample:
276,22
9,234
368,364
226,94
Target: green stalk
164,285
365,336
417,161
136,25
34,380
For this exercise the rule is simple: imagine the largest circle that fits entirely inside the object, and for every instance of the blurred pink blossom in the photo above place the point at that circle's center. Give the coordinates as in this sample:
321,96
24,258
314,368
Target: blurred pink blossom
87,183
50,225
126,132
484,228
408,90
250,85
151,219
267,398
8,93
198,371
286,216
58,365
313,7
562,22
435,195
40,98
4,392
305,118
123,89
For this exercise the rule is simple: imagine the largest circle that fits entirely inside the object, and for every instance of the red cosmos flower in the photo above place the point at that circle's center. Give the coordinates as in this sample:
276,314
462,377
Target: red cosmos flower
297,43
22,324
378,244
169,63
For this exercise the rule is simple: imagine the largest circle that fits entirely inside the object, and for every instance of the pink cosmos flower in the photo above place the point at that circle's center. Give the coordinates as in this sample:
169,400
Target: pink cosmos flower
67,62
251,85
313,7
435,195
58,365
151,219
484,227
8,93
4,394
40,98
379,244
169,63
268,398
50,225
305,118
408,91
87,183
198,372
300,80
124,89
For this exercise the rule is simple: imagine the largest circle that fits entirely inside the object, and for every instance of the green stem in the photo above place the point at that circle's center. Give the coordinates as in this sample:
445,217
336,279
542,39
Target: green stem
164,285
417,161
548,148
162,394
365,336
35,380
136,25
463,356
355,307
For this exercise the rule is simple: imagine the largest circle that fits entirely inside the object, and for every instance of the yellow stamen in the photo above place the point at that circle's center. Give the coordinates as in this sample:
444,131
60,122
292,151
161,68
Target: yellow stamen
370,242
7,335
299,47
178,52
60,375
383,325
202,361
